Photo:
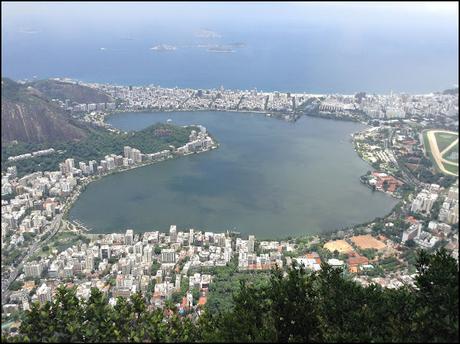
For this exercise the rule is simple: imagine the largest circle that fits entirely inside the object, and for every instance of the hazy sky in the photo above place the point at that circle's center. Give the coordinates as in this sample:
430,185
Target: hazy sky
74,16
422,37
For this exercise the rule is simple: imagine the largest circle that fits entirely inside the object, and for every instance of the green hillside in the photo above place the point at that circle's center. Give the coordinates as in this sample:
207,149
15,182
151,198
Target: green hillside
98,144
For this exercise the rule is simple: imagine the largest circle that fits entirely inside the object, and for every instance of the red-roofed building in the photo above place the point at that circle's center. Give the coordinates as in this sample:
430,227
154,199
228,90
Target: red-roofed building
202,300
355,260
391,182
260,266
315,256
409,142
412,220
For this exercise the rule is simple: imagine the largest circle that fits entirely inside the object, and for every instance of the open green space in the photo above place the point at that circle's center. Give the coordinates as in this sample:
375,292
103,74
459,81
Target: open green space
451,168
226,283
452,154
443,140
61,241
64,240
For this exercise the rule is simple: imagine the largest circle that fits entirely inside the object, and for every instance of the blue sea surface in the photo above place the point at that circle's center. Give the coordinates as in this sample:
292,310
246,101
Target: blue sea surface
342,48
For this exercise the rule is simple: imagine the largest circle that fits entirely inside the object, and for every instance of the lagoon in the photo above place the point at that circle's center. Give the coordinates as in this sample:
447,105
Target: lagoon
269,177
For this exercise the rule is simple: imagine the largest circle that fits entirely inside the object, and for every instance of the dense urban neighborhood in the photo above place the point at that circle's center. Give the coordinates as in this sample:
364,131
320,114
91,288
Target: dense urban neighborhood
42,248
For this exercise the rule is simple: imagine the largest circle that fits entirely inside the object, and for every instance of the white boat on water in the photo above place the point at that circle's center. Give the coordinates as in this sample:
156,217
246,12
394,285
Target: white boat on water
169,120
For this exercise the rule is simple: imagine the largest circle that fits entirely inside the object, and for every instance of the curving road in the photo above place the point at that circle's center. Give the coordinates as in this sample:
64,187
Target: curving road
437,155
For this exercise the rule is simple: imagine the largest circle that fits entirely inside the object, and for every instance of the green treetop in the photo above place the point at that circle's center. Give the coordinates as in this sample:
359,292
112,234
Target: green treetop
297,306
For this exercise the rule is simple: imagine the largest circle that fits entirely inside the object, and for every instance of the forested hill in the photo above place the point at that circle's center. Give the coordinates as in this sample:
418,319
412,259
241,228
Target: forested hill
301,307
30,116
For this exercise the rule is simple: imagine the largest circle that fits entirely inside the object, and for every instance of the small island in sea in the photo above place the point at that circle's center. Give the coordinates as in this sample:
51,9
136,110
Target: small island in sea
163,47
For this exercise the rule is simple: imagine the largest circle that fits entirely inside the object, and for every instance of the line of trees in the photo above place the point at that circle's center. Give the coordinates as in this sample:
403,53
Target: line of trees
297,306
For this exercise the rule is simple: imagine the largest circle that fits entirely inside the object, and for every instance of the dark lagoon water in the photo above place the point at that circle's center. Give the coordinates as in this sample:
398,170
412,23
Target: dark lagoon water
269,178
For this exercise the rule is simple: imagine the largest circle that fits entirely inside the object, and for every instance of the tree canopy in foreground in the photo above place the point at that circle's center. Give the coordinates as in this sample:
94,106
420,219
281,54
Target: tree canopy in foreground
297,306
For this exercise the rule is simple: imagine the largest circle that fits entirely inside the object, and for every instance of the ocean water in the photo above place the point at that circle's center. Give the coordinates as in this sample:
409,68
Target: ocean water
269,177
317,48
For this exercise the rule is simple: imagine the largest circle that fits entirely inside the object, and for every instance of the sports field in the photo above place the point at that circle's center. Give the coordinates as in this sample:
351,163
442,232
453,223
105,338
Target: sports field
367,241
340,245
444,139
440,147
452,154
451,168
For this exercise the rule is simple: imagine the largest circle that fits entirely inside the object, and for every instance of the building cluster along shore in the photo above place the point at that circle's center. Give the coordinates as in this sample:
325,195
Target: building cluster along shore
42,248
286,105
37,201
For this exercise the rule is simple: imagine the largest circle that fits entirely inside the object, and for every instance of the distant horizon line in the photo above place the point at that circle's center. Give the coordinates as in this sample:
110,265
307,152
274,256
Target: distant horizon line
69,79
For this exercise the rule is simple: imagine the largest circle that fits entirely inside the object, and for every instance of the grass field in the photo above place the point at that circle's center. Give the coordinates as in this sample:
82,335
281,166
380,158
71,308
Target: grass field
443,140
61,241
451,168
452,154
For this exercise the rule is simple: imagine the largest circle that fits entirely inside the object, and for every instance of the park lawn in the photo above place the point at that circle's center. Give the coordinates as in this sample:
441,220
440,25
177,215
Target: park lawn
61,241
426,144
443,140
451,168
450,151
